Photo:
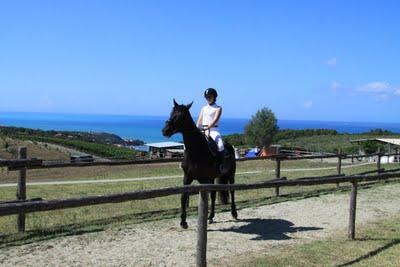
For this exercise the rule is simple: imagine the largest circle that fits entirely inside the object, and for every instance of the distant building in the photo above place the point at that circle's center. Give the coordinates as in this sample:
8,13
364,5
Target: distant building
392,146
165,149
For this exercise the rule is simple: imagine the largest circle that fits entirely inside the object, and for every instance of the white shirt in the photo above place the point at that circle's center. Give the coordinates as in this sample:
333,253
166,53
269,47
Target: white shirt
209,112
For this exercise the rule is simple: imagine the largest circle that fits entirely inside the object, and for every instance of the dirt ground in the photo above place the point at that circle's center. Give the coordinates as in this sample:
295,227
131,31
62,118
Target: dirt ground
265,229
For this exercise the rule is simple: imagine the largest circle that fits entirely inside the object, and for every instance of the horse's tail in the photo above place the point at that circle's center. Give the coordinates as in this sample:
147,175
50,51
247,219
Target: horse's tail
223,196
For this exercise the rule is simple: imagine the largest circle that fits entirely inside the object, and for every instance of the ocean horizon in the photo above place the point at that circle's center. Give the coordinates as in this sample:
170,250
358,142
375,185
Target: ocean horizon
148,128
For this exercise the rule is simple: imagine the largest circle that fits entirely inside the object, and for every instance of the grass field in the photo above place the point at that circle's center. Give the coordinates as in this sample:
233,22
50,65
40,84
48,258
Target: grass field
377,244
93,218
161,169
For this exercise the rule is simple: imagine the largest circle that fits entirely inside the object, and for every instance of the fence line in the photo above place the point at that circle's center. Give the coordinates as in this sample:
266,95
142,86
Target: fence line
40,164
23,206
46,205
203,190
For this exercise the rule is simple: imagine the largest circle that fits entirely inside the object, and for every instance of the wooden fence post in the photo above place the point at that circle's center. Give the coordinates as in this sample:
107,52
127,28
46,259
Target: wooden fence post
339,166
277,174
278,168
378,163
353,206
21,190
201,256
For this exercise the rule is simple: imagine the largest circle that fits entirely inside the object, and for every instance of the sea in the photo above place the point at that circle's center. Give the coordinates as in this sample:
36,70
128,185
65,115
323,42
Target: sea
148,128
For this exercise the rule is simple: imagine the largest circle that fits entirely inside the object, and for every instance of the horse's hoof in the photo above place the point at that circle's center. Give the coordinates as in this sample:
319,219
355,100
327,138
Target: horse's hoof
234,215
184,225
210,221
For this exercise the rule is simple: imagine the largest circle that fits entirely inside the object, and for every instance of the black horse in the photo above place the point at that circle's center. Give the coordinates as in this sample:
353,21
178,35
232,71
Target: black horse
199,162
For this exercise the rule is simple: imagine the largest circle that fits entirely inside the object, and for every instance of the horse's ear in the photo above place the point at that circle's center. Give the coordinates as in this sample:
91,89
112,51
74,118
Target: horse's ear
190,105
175,104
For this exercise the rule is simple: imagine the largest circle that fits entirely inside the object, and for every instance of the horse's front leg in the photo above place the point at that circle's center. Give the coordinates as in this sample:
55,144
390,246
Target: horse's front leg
184,200
184,203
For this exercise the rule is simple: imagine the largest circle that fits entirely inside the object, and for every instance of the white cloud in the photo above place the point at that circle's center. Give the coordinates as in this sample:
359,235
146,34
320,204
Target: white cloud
381,90
308,104
331,62
335,86
375,87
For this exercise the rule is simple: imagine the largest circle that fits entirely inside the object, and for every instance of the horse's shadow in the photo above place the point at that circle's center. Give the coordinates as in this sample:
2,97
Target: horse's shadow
267,229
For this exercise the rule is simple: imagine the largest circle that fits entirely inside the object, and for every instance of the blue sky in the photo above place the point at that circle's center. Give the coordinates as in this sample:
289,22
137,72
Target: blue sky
306,60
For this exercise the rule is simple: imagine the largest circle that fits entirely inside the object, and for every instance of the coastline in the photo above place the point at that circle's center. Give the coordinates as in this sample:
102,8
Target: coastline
148,128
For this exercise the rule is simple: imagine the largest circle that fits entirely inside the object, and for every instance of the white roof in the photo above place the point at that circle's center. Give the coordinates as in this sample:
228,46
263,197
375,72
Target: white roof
164,144
393,141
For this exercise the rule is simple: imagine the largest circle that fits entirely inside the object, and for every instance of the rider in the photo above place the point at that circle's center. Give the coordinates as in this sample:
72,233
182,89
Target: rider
208,121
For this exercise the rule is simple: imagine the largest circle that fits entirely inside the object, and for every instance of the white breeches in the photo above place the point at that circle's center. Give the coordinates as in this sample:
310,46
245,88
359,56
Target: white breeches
216,136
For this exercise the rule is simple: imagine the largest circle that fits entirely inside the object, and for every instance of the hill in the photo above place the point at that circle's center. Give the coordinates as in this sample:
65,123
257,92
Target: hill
99,144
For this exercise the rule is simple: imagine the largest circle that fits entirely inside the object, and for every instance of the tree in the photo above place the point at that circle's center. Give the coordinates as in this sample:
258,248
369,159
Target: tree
262,128
372,147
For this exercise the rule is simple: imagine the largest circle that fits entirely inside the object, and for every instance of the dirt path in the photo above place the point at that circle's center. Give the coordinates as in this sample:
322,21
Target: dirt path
262,229
119,180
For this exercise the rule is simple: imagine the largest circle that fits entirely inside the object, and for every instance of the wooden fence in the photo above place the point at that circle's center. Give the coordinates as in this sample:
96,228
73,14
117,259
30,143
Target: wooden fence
23,206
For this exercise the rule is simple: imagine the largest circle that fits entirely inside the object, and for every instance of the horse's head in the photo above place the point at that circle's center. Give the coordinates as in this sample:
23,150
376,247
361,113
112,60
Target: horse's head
179,120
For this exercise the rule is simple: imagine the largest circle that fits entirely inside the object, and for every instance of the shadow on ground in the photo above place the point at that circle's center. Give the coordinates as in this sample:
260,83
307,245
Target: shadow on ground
267,229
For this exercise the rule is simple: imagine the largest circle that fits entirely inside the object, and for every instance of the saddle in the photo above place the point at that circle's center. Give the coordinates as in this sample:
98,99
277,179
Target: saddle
212,146
220,159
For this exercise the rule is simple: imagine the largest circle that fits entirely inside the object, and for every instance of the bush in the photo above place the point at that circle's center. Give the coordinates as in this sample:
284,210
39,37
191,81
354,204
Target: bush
235,139
289,133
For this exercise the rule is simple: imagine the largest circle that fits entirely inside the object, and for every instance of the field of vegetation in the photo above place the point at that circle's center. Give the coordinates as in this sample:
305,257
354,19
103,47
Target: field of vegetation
98,149
9,147
332,143
96,137
96,218
320,140
99,144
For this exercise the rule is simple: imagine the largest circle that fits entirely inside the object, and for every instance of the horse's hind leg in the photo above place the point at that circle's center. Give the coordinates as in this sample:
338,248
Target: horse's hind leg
212,213
233,205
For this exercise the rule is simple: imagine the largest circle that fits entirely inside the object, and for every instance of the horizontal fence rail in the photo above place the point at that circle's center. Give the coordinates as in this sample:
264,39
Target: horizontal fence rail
42,164
46,205
21,163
